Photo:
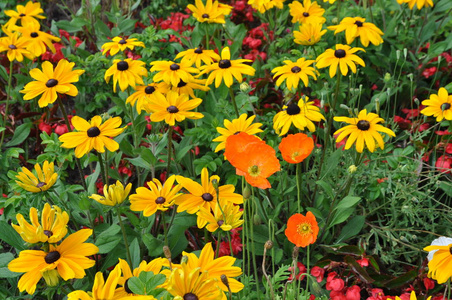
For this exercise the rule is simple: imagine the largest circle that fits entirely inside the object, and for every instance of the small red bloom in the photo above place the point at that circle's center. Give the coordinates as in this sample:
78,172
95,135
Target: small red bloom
443,164
428,283
318,273
364,262
353,293
301,270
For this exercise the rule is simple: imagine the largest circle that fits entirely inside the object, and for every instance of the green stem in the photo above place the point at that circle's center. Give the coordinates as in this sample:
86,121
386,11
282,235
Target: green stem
307,270
102,168
90,220
165,229
124,236
8,96
217,251
170,144
299,189
254,250
231,93
136,141
207,36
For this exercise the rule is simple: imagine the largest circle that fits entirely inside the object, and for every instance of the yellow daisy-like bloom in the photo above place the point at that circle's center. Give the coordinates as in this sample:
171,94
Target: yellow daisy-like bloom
38,39
308,34
147,93
440,266
157,197
226,218
92,135
45,179
204,194
263,5
173,108
127,72
363,130
308,12
50,82
301,115
69,259
343,57
52,229
121,44
412,297
171,72
189,88
358,27
226,68
438,106
216,267
198,56
241,124
419,3
292,72
186,282
16,47
212,12
26,14
329,1
114,194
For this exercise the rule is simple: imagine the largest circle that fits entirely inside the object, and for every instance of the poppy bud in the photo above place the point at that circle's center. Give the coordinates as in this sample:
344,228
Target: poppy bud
268,245
167,252
246,193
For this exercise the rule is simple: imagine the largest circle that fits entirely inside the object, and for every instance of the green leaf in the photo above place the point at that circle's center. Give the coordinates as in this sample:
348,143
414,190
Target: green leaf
135,253
5,258
358,270
340,216
10,236
352,228
20,134
347,202
326,187
108,239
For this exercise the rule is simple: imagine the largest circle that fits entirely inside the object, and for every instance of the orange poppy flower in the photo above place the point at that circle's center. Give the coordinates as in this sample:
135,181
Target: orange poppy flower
296,147
252,158
301,230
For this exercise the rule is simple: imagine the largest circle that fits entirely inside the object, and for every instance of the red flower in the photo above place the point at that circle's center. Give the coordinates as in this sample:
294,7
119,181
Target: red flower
364,262
301,271
428,283
318,273
335,284
428,72
353,293
44,127
443,164
60,129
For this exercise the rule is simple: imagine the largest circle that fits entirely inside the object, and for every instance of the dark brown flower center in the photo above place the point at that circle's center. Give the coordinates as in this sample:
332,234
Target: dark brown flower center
224,63
51,83
172,109
174,67
305,14
450,250
12,47
122,65
22,15
221,222
190,296
149,90
48,233
198,51
363,125
122,42
296,69
445,106
205,16
207,197
93,131
41,184
52,257
160,200
237,132
293,109
181,84
339,53
34,34
126,287
359,23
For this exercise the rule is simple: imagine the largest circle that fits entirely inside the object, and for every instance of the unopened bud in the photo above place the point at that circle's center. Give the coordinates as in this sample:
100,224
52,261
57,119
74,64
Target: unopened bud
416,100
244,87
167,252
410,76
322,104
246,193
377,105
184,259
352,169
268,245
215,183
257,219
398,54
343,106
334,20
225,280
387,77
405,52
295,252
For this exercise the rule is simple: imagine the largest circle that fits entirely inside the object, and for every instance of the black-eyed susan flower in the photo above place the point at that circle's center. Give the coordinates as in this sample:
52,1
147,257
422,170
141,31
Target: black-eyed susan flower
156,197
114,194
198,56
174,108
38,40
358,27
292,72
263,5
226,68
26,14
147,93
44,179
308,34
15,47
438,106
50,82
67,260
226,218
241,124
212,12
419,3
440,266
301,115
363,131
343,57
121,44
52,229
92,135
204,194
308,12
127,72
172,73
189,88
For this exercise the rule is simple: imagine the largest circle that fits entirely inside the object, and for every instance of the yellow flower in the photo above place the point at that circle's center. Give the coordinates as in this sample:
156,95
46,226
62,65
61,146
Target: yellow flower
38,39
226,68
343,57
308,12
412,297
329,1
363,130
172,73
69,259
198,56
46,178
419,3
52,229
121,44
358,27
309,34
212,12
50,82
157,197
147,93
92,135
189,87
127,72
16,47
440,266
302,115
438,106
226,218
114,194
263,5
173,108
241,124
292,72
26,14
